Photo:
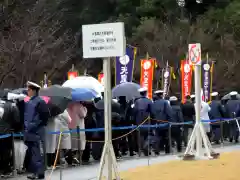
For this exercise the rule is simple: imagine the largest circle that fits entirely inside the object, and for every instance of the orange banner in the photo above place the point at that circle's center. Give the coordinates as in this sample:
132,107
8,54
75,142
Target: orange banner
72,74
147,68
101,78
186,74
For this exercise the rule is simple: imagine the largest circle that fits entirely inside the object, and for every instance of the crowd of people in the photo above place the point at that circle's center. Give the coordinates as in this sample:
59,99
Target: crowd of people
33,120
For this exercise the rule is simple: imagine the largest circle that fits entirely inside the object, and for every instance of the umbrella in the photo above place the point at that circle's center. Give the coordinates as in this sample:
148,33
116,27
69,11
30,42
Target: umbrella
19,91
85,82
128,89
115,106
56,91
228,96
54,104
59,98
83,94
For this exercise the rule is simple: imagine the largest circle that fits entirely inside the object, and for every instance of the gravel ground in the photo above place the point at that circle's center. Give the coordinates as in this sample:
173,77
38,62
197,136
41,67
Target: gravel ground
89,172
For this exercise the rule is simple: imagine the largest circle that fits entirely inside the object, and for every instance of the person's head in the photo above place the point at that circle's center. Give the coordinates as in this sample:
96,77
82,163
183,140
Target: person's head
233,95
192,97
159,94
188,98
173,100
214,95
32,89
122,99
143,91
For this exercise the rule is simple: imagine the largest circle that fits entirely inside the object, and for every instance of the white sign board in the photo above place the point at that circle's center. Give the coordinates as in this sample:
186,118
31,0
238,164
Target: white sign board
103,40
194,53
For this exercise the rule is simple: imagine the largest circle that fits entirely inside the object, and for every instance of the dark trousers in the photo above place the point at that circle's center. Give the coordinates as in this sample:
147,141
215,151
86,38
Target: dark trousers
216,133
162,140
36,153
5,155
177,136
234,133
86,152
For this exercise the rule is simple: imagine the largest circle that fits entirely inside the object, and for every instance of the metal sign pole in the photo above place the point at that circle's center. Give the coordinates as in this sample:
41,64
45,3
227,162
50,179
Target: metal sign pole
198,135
105,41
108,152
197,73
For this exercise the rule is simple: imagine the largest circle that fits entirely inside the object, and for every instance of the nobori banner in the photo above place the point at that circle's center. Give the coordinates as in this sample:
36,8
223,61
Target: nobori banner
186,77
124,66
147,69
207,70
103,40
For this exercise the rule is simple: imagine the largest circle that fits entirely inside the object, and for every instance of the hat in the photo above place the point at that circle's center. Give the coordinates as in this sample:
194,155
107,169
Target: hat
115,100
233,93
192,96
29,83
158,92
214,94
173,98
143,89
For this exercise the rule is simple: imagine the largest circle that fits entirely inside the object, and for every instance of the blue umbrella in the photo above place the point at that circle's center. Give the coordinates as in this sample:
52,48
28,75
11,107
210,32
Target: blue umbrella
83,94
128,89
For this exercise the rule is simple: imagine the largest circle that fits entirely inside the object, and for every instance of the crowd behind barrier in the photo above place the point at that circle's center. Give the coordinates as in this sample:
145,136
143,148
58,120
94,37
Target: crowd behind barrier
132,128
164,124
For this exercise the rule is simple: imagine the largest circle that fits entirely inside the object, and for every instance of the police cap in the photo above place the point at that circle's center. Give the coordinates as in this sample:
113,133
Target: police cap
33,85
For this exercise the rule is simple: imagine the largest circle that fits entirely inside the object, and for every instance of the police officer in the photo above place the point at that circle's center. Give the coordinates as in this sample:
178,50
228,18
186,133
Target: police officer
142,107
161,112
233,111
216,112
188,111
35,119
177,117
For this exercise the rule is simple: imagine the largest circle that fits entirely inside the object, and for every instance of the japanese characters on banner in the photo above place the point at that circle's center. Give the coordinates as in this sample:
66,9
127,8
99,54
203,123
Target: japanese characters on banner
147,69
166,80
125,65
72,74
207,81
186,75
101,78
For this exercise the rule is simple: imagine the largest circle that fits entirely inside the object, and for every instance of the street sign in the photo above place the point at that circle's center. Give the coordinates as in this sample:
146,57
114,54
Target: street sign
103,40
194,52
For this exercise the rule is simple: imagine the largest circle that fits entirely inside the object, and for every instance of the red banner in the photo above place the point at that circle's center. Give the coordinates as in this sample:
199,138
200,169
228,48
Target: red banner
186,74
72,74
147,68
101,78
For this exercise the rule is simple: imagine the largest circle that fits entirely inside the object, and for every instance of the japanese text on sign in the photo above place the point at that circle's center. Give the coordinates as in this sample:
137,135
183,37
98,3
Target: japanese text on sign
103,40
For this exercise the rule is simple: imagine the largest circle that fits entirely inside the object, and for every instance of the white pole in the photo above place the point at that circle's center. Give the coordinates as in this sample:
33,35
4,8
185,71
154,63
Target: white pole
198,107
108,112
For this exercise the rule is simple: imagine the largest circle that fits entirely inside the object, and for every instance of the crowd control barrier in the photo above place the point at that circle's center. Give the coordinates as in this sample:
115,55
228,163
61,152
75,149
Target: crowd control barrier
159,124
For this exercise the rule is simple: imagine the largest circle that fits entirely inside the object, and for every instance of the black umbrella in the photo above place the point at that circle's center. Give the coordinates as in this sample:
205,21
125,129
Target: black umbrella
128,89
59,98
56,91
115,106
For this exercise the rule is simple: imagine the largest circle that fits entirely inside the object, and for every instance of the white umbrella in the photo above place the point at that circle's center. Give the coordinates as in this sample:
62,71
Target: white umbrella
85,82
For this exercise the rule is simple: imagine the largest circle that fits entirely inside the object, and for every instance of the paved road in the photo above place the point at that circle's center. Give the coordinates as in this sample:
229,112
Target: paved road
89,172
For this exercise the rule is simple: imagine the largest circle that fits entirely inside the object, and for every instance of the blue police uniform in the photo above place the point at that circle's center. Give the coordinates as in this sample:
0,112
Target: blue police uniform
232,111
35,117
141,113
216,112
161,111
